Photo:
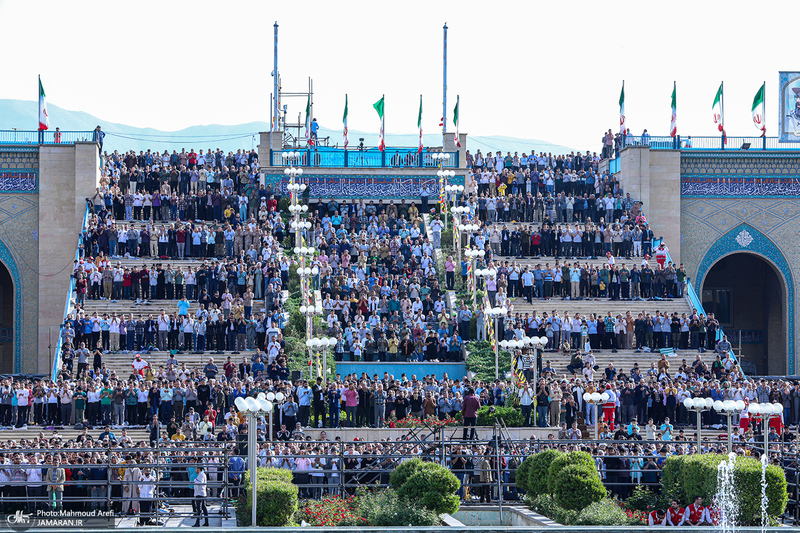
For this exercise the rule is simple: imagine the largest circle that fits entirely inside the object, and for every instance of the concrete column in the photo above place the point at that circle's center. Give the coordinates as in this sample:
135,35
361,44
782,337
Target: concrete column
451,146
68,174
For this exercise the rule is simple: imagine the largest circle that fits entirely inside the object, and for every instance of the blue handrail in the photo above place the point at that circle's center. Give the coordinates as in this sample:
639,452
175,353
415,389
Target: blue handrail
714,143
44,137
57,358
393,157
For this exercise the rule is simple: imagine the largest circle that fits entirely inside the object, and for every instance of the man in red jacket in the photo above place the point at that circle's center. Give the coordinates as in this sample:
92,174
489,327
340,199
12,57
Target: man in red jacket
469,409
656,518
675,514
695,513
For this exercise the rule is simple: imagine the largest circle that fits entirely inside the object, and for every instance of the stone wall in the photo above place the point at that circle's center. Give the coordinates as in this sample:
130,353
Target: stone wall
70,174
653,176
19,246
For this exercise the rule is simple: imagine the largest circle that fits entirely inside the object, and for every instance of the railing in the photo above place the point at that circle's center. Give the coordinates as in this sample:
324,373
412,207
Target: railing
710,143
614,165
44,137
57,357
368,158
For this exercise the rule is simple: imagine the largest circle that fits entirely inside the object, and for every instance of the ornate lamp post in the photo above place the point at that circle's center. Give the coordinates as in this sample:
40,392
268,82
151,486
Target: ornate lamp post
596,399
324,343
273,397
766,411
698,405
495,313
311,310
729,408
439,158
473,255
253,408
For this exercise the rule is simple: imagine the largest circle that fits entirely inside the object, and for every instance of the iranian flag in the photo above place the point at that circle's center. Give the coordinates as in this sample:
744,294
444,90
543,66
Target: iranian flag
379,108
419,125
622,109
455,122
673,126
309,140
758,111
44,118
716,108
344,121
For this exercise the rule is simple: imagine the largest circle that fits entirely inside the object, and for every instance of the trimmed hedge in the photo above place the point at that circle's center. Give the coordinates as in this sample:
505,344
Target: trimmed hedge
578,486
696,475
277,499
428,484
538,469
562,461
400,475
523,471
488,414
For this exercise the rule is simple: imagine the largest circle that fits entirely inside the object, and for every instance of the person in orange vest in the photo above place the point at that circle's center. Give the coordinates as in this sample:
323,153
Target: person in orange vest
608,407
695,513
657,518
675,514
713,514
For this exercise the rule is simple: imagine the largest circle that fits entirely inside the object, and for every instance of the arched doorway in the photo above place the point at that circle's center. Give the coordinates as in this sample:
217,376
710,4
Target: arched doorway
747,294
6,321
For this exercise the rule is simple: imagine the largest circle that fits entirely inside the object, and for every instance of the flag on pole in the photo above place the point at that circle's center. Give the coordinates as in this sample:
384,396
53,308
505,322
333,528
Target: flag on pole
758,111
716,108
44,118
344,120
455,122
673,126
419,125
309,140
379,108
622,110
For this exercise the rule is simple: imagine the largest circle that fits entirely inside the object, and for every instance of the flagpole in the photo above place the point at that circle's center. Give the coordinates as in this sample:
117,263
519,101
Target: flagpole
763,115
444,87
722,111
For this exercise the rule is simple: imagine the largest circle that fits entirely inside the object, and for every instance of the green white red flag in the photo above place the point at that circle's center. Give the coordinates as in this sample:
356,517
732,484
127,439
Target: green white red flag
622,109
44,118
456,138
344,121
758,111
673,126
379,108
419,125
309,139
717,110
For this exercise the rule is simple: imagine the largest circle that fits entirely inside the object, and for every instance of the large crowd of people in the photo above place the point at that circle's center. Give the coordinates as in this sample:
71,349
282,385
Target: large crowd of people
382,301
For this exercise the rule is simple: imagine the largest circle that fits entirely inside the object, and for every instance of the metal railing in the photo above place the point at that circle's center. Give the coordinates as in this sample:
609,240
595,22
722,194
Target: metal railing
324,157
94,484
71,289
710,143
44,137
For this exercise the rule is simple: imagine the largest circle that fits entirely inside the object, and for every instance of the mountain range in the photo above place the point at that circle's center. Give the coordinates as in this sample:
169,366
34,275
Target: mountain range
23,115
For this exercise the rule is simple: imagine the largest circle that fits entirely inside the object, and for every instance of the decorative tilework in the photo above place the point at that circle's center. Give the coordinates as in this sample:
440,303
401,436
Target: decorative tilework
18,181
7,258
364,185
740,174
761,245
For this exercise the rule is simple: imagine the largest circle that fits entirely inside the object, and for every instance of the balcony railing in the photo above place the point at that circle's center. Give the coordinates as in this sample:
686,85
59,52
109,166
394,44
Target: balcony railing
44,137
710,143
324,157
